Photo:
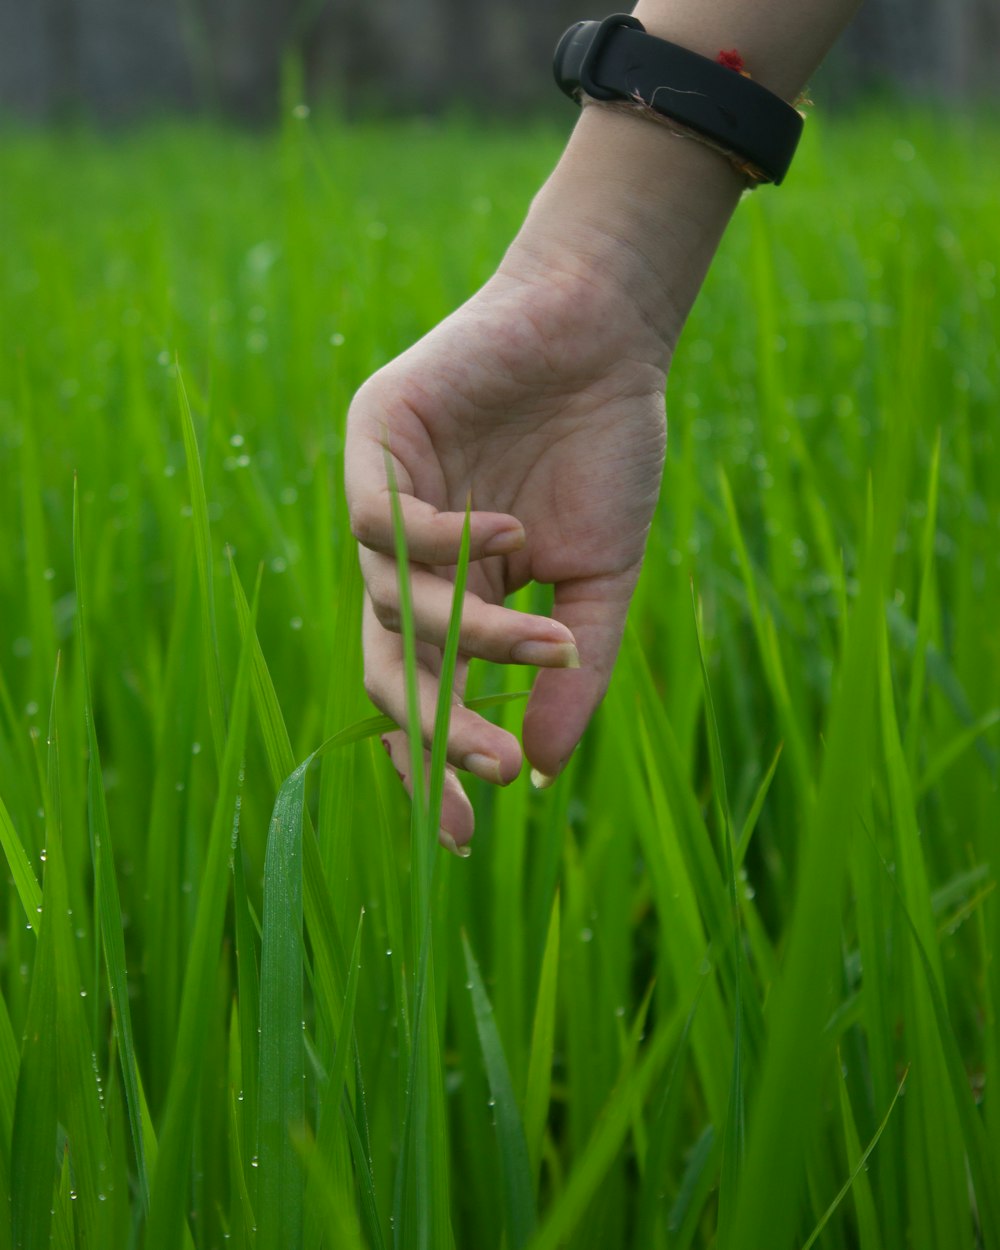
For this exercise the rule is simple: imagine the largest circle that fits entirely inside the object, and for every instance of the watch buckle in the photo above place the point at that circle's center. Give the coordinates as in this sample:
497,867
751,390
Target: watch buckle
578,51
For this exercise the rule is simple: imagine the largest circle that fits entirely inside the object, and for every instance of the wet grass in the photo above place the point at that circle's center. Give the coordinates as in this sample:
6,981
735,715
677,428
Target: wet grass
731,981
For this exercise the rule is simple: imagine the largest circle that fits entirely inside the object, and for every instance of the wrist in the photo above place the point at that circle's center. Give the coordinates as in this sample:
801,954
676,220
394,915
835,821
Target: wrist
634,211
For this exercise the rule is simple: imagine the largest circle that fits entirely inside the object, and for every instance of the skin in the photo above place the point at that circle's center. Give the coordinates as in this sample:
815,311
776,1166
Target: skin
543,396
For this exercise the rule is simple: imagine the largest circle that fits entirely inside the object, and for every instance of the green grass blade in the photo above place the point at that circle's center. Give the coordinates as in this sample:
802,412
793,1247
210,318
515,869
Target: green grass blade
734,1146
280,1090
857,1169
515,1168
168,1206
869,1237
206,581
107,899
631,1090
25,881
538,1089
750,824
33,1150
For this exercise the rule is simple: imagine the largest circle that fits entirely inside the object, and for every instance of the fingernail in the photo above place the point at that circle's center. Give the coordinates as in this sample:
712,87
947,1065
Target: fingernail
385,742
540,780
505,542
484,766
463,852
545,654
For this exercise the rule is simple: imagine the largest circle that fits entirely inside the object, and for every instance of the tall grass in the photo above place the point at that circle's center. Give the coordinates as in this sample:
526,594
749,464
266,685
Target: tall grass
732,981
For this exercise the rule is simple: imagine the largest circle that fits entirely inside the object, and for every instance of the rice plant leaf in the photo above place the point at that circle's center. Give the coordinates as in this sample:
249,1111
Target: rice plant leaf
515,1168
666,1112
25,881
750,824
206,581
800,1003
925,609
855,1171
982,1166
280,1091
421,1203
248,983
869,1237
33,1148
168,1206
632,1088
10,1062
107,899
538,1090
735,1139
336,1212
957,747
695,1186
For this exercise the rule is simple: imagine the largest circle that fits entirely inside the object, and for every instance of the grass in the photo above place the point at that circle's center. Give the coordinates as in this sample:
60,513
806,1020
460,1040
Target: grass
731,982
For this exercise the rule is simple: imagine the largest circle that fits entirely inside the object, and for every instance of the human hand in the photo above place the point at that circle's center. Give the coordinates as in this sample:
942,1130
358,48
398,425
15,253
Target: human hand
544,397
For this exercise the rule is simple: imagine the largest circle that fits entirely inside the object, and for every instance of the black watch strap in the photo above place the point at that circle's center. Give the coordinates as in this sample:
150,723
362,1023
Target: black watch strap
617,60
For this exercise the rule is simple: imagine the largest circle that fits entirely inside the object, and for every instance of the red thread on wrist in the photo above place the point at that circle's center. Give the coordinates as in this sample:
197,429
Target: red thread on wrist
732,60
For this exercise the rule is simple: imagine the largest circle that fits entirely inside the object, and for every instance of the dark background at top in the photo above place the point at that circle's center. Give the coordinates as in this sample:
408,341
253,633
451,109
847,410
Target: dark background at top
119,60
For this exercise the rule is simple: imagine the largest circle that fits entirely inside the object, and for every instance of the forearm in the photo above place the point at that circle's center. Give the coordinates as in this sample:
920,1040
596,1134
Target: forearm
631,202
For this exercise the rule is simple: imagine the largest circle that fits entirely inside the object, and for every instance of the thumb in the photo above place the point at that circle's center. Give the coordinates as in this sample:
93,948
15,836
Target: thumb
563,700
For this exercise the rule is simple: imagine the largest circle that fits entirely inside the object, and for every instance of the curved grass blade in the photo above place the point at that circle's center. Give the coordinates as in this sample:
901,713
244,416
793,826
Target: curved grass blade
515,1167
856,1170
25,881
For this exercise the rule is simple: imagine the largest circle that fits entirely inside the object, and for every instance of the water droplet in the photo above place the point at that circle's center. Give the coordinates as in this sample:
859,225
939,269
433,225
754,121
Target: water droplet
336,340
586,935
254,1162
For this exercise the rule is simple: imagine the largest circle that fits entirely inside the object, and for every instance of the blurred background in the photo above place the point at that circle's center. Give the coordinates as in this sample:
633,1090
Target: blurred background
118,60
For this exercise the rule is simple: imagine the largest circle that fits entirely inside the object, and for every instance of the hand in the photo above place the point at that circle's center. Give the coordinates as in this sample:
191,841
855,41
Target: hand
544,397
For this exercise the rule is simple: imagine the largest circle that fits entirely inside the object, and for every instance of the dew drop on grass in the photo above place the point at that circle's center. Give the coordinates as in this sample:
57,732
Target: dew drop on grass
295,622
336,340
586,935
254,1162
42,854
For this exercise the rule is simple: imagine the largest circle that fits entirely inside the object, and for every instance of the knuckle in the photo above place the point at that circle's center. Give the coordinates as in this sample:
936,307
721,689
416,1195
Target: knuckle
373,688
386,612
364,525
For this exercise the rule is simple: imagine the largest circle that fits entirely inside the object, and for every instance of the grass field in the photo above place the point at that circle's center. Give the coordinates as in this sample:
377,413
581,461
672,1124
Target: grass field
731,982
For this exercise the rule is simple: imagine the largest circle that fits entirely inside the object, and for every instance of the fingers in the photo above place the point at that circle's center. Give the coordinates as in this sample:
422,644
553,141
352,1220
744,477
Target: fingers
458,821
474,744
432,536
488,631
562,703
